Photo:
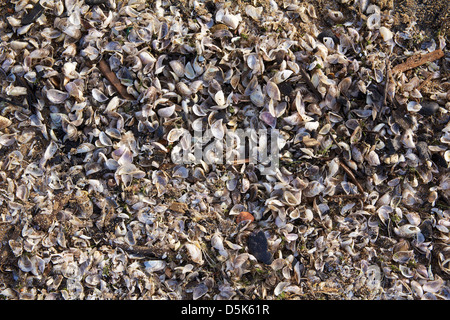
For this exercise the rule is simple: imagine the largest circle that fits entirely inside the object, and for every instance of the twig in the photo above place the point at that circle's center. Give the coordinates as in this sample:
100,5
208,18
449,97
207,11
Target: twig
111,76
240,161
141,250
335,142
331,134
418,60
386,85
31,92
424,82
310,84
12,102
352,177
346,196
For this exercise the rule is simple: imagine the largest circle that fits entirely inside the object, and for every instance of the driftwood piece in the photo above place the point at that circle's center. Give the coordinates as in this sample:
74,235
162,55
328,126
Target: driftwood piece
111,76
418,60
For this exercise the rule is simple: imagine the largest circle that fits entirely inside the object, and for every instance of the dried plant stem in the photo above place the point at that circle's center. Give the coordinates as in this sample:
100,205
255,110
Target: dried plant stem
352,177
111,76
309,83
388,75
424,82
418,60
141,250
11,102
346,196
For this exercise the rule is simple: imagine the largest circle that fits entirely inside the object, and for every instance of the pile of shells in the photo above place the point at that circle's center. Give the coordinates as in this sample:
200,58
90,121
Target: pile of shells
96,96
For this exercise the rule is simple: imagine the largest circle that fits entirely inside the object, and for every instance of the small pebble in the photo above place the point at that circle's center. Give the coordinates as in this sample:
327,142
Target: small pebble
426,228
429,108
422,150
258,246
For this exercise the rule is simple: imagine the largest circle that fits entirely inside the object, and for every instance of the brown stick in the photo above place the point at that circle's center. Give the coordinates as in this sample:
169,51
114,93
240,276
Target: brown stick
111,76
418,60
424,82
386,83
346,196
241,161
310,84
350,174
144,251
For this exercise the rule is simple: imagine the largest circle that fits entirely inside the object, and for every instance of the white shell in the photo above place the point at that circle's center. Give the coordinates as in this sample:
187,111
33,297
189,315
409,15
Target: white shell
4,122
104,139
373,159
281,76
16,91
232,20
99,96
291,199
253,12
257,96
219,98
408,139
407,230
57,96
199,291
218,130
373,22
413,106
195,253
386,34
433,286
16,248
177,67
189,71
175,134
49,152
167,111
154,265
417,288
71,271
447,155
25,264
18,45
273,91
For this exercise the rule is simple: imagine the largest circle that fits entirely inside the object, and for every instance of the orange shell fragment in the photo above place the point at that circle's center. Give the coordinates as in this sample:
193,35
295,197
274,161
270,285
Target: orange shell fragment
243,216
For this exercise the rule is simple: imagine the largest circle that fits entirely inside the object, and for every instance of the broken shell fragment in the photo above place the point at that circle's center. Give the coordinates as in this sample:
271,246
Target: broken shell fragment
4,122
244,216
57,96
